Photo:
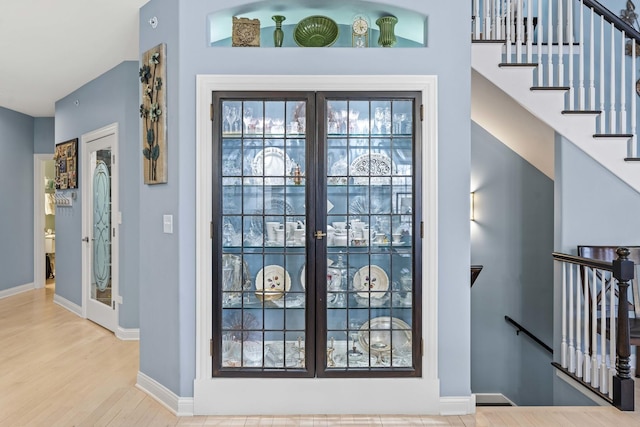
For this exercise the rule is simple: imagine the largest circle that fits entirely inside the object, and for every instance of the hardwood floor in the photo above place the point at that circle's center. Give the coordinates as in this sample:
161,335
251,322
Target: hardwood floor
57,369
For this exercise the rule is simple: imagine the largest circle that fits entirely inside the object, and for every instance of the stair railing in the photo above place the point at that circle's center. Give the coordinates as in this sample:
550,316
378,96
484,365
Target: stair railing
577,46
595,347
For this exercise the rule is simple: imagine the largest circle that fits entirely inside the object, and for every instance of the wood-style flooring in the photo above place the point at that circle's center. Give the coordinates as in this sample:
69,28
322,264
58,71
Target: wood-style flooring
57,369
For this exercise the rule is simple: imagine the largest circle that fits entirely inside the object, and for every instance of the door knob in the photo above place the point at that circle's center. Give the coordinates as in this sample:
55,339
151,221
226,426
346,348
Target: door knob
85,239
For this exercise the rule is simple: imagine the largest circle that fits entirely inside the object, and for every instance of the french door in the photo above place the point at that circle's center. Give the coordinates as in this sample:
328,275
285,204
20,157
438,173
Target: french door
314,256
99,228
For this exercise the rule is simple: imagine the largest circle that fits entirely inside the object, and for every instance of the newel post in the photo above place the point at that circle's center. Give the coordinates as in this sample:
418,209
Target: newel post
623,271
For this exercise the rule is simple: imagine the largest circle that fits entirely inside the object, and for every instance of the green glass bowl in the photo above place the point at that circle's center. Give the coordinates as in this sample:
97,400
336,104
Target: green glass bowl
316,31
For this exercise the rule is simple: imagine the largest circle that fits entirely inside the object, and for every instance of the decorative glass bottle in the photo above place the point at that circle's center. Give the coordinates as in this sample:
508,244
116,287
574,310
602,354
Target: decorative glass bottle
387,37
278,34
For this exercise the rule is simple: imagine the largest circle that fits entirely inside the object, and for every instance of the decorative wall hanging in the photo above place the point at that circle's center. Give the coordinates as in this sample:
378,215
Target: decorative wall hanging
153,112
66,162
246,32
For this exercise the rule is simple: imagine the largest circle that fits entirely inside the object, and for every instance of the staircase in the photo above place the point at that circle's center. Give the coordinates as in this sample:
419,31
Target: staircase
573,65
573,72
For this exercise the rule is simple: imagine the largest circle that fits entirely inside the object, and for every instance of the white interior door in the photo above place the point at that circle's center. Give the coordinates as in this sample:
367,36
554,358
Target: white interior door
100,240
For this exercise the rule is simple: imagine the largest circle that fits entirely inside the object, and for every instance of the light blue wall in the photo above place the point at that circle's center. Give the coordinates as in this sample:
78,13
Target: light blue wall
110,98
512,237
16,195
167,262
593,207
43,135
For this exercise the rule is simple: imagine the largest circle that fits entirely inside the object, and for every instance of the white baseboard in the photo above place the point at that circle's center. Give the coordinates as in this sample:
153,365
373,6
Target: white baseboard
458,405
180,406
16,290
65,303
128,334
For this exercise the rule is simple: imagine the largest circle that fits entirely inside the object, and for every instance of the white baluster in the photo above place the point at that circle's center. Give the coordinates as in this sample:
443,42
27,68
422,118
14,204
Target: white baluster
563,344
612,334
476,19
570,56
496,20
486,35
604,372
612,82
633,143
594,330
560,44
587,312
518,24
623,85
592,65
550,70
578,324
529,32
572,352
540,31
581,60
508,20
601,83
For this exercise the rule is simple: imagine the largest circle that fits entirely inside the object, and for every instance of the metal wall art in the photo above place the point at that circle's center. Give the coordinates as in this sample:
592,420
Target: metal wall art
153,112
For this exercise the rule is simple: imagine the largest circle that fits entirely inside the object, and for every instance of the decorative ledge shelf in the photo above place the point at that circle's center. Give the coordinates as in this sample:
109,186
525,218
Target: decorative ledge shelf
410,31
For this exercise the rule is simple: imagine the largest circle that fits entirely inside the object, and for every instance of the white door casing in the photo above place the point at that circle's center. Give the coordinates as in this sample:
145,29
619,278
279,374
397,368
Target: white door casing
38,219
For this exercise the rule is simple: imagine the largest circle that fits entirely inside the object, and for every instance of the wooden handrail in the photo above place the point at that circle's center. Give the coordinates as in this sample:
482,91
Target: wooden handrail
587,262
613,19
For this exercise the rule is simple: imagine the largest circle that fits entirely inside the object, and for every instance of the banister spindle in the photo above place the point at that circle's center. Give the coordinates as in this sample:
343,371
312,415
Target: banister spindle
612,81
592,65
550,71
540,69
563,344
529,32
476,19
518,31
633,143
560,44
572,353
612,336
578,324
570,56
581,59
601,82
594,330
508,32
623,384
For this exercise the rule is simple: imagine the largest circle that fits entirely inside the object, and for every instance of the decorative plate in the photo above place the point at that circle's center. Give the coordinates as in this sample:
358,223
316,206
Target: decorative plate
270,162
272,282
371,165
384,335
316,31
371,281
339,172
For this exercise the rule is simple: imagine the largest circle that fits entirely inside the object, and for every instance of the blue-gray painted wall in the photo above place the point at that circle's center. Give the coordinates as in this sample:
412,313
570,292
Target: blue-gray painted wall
167,262
16,193
512,237
43,135
592,207
110,98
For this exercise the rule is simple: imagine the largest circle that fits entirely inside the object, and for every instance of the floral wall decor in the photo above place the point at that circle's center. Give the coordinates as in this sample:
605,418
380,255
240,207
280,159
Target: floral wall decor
153,112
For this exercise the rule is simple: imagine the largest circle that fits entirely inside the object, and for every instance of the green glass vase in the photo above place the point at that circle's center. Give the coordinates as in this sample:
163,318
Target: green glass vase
387,25
278,34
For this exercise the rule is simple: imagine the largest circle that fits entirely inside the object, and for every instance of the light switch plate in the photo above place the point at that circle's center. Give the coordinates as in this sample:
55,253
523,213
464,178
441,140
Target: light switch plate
167,224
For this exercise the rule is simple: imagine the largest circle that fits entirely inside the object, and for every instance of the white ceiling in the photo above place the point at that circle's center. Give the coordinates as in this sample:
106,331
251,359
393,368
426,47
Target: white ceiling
50,48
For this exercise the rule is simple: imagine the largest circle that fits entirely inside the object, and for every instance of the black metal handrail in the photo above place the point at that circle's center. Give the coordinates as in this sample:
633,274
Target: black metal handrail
587,262
613,19
527,333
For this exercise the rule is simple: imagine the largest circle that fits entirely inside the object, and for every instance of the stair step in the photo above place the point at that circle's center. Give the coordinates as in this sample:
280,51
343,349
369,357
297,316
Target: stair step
613,135
488,41
632,159
550,88
581,112
517,64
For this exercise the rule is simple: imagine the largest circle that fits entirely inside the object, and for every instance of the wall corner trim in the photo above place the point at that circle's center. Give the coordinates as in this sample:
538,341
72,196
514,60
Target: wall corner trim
458,405
179,406
16,290
65,303
125,334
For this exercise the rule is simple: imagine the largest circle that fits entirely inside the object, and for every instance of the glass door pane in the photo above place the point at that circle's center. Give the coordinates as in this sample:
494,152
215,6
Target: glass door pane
370,245
101,238
262,275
